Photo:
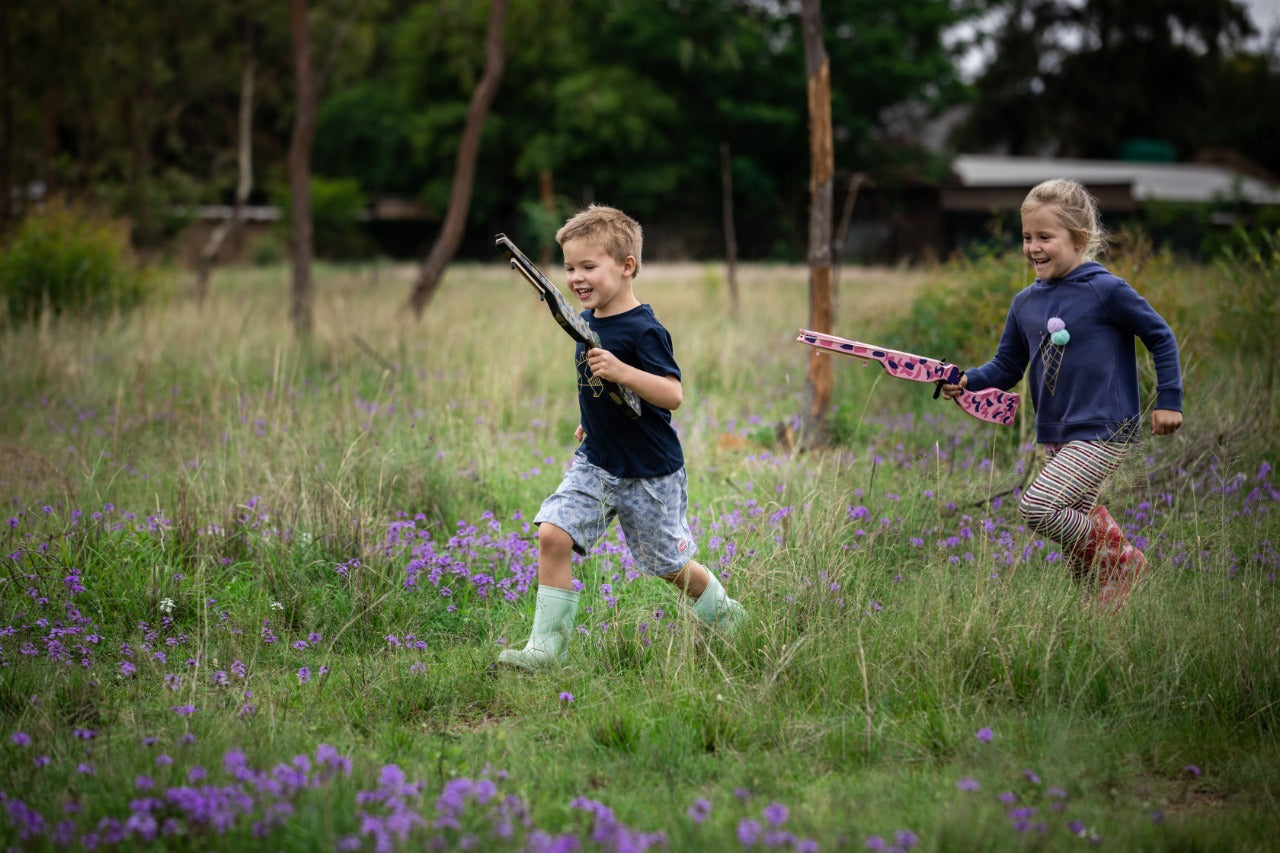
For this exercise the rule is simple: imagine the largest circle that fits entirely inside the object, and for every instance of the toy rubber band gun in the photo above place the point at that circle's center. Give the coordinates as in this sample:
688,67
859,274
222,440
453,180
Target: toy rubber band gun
991,404
573,323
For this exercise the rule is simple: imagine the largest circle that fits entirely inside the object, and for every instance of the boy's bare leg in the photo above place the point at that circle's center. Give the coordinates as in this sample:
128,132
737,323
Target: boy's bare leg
556,606
711,603
555,555
691,580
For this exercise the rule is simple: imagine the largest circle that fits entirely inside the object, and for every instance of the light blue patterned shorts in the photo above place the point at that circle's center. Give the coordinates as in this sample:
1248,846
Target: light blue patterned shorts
651,511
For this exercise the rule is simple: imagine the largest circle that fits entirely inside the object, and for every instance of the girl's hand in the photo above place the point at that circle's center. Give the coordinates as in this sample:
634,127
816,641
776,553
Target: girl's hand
1165,421
952,391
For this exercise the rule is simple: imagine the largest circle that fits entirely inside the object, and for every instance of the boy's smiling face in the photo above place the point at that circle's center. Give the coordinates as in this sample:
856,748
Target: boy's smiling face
597,279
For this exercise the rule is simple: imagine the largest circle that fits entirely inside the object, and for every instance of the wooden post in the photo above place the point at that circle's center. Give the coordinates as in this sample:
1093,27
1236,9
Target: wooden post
821,195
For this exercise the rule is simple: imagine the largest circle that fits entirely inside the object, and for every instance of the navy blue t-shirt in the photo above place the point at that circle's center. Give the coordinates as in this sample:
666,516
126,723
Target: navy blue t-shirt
624,446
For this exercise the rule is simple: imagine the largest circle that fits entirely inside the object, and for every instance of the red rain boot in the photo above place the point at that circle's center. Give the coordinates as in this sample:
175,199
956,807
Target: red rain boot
1119,565
1100,539
1107,532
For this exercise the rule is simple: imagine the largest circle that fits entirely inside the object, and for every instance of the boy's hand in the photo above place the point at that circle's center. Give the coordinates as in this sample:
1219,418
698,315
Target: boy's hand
605,365
580,434
1165,421
952,391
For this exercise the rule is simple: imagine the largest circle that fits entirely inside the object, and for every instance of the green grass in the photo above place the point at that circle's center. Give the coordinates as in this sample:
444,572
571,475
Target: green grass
242,513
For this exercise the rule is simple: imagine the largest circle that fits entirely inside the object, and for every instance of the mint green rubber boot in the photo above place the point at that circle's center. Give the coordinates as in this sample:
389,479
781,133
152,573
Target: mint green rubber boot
548,644
715,609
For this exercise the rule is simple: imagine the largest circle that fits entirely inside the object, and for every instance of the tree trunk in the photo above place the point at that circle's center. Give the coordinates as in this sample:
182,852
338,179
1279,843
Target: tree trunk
244,184
842,230
455,217
730,237
6,119
304,132
821,194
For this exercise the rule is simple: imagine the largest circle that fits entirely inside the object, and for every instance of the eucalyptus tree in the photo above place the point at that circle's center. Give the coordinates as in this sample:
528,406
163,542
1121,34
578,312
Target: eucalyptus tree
821,197
632,102
1082,78
446,244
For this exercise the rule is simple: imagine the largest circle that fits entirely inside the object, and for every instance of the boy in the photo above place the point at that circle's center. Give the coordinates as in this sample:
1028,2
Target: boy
631,468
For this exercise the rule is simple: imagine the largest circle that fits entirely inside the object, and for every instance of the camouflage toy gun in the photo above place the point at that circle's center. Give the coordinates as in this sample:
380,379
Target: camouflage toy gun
573,323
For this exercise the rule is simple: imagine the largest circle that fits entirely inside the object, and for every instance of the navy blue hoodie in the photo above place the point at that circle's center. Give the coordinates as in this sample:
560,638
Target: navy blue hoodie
1092,392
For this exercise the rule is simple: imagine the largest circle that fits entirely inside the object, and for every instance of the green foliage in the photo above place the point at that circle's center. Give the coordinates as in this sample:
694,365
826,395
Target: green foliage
1250,303
336,207
363,133
267,250
960,319
1221,90
911,648
67,259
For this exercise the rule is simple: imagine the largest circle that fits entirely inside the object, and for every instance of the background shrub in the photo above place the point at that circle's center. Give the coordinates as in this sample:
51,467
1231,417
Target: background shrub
336,209
64,258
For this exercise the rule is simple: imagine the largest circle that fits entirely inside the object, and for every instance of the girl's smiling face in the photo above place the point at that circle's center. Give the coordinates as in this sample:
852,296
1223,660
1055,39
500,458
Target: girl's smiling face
597,279
1048,246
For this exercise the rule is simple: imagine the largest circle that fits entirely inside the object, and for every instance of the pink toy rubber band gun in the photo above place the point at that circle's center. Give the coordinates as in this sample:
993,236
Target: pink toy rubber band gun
991,404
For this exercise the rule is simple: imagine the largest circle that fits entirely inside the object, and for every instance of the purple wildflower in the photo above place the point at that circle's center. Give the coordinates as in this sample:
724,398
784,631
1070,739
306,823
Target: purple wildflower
775,814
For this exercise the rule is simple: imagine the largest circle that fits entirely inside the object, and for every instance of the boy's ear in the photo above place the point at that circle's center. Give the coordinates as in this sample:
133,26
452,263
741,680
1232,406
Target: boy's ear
629,266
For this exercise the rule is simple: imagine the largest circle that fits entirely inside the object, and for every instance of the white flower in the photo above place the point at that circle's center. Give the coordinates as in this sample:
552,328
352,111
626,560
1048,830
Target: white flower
166,605
275,605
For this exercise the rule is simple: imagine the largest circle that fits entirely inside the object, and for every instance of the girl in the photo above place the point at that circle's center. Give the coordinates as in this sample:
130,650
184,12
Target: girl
1075,326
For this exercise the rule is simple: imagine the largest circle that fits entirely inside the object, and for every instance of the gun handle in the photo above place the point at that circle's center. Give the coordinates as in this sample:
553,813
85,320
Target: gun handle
991,405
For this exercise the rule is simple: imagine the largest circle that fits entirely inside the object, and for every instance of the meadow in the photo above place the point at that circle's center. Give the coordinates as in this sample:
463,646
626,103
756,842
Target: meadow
254,588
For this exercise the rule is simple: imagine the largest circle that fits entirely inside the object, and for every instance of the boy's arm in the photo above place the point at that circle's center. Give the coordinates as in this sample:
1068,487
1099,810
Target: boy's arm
665,392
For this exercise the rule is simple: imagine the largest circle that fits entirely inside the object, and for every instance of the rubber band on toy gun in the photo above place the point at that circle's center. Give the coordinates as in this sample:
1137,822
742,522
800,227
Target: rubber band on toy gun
991,404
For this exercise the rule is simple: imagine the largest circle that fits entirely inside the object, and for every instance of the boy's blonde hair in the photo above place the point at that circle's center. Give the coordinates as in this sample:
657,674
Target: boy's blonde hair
607,227
1076,209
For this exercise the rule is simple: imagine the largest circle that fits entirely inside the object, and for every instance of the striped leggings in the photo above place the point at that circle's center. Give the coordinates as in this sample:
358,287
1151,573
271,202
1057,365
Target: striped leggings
1056,505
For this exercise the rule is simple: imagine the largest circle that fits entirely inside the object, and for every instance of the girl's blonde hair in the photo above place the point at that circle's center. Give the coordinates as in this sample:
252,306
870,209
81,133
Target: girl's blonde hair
607,227
1076,209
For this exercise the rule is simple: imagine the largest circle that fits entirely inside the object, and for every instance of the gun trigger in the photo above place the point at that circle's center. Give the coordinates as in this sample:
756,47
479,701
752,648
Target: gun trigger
952,377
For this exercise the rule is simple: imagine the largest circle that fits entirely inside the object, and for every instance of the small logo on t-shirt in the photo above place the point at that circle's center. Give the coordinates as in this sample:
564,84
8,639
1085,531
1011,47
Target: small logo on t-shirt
595,383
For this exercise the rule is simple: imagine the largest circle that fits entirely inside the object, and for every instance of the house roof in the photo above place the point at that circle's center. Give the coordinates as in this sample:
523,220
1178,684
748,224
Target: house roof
983,176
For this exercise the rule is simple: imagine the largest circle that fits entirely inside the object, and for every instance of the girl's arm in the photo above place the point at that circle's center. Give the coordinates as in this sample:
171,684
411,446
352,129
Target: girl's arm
1008,364
1130,311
